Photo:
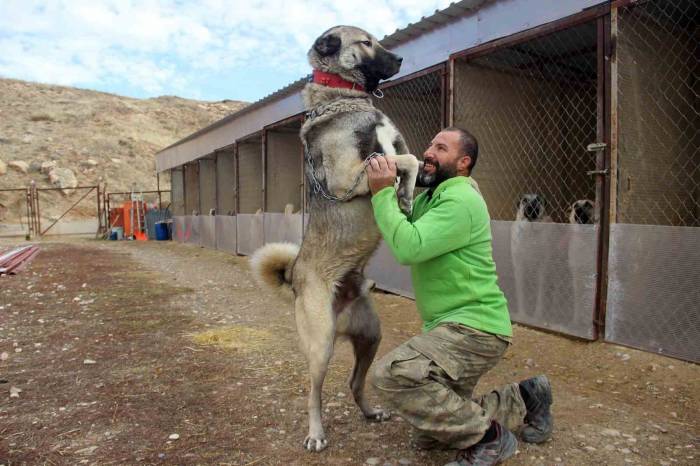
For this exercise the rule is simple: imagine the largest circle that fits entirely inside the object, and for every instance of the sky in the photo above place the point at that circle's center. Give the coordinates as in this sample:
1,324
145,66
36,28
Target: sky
206,49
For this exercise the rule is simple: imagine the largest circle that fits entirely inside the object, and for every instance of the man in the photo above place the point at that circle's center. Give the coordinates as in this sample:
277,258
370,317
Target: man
429,380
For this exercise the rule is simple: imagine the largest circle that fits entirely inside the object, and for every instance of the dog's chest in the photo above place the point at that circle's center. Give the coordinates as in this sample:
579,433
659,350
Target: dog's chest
387,134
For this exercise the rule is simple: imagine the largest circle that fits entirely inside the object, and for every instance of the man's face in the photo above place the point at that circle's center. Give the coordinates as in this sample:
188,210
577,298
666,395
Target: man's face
440,159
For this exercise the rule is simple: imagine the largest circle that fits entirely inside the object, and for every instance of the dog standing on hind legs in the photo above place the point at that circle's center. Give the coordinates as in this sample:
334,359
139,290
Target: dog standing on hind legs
324,276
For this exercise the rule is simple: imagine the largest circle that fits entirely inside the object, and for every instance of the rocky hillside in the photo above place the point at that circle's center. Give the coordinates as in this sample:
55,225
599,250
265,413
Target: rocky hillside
62,137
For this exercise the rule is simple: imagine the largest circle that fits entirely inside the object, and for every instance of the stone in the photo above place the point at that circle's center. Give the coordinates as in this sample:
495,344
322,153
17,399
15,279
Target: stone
372,461
47,166
19,165
90,163
63,178
174,436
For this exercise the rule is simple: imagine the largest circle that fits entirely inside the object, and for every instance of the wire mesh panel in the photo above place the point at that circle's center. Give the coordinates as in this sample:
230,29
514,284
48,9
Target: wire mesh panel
655,248
533,109
416,107
177,186
191,188
207,185
283,169
249,177
225,183
658,114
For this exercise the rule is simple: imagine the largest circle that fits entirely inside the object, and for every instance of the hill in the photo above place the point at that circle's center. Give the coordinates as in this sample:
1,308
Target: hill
48,129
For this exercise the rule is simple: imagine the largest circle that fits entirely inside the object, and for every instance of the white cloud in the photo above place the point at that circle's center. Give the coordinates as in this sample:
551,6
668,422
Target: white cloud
165,46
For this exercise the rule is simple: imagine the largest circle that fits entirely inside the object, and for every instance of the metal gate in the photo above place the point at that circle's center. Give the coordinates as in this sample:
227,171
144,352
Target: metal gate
653,291
534,107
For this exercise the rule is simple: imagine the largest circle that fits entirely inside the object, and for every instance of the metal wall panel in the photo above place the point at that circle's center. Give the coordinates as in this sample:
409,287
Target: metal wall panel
180,232
283,170
250,177
193,227
207,185
177,191
225,183
226,233
207,236
548,274
653,292
283,228
389,274
249,233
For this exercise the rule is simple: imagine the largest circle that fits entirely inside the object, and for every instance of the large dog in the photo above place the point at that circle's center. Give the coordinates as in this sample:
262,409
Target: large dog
325,274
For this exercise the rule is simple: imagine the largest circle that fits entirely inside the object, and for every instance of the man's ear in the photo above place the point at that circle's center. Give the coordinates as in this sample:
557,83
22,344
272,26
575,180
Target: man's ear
327,44
464,162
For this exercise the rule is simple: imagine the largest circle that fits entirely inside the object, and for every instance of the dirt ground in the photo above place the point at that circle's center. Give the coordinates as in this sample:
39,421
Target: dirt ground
117,346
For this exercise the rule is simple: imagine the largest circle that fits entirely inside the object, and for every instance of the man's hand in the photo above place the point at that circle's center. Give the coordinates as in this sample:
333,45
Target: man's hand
381,172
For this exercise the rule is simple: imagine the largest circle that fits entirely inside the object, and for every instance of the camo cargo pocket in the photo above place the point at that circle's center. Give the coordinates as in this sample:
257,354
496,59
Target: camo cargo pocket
409,365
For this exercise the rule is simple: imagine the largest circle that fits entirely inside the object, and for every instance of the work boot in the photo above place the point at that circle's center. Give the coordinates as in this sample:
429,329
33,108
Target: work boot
495,451
537,394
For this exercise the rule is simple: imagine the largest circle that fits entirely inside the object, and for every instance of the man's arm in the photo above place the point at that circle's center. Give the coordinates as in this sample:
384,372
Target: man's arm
445,227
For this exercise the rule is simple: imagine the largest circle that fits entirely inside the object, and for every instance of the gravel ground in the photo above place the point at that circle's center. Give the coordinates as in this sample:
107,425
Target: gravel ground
162,353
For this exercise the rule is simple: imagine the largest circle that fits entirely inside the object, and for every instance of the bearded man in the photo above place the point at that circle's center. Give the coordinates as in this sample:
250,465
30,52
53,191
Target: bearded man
429,380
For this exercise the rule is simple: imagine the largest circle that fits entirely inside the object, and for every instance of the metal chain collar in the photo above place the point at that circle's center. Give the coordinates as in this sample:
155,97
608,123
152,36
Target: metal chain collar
318,187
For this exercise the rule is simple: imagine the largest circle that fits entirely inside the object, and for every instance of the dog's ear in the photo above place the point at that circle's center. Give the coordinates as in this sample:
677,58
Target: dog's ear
327,44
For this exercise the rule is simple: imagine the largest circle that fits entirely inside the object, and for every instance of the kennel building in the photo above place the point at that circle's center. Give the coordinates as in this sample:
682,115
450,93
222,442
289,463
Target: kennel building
571,101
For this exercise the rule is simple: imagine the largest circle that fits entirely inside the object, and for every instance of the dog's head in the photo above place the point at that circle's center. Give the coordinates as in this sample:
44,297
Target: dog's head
582,212
355,55
531,207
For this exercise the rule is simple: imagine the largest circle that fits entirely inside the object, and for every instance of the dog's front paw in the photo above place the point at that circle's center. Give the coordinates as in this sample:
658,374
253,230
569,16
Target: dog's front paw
378,415
315,443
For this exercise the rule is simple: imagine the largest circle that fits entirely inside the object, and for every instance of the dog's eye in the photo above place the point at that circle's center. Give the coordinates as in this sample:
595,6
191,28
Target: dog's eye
366,42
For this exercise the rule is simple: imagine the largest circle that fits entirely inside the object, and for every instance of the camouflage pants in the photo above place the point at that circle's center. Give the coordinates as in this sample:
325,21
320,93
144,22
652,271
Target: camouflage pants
429,381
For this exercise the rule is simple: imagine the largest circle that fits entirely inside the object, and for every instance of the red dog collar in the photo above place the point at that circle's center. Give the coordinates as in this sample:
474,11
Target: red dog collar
334,80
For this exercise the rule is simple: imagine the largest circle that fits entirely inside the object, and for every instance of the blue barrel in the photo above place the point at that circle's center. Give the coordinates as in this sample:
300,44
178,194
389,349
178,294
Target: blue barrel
162,231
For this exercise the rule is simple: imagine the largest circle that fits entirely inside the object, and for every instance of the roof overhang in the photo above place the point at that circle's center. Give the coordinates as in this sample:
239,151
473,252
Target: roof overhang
423,44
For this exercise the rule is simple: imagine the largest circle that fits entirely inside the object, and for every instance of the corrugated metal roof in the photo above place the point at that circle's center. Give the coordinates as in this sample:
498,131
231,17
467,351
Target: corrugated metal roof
398,37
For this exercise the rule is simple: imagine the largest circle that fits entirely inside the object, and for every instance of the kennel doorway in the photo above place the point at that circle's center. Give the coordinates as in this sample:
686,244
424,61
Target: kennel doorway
249,181
655,235
534,107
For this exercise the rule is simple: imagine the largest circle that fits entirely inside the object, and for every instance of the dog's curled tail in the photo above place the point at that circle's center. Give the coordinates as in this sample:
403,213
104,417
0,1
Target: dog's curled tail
272,267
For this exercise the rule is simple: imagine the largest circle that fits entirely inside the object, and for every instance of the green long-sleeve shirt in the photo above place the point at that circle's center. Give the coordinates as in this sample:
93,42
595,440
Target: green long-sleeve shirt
447,243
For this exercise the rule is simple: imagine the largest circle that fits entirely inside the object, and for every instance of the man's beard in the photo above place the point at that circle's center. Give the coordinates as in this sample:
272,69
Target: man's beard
441,173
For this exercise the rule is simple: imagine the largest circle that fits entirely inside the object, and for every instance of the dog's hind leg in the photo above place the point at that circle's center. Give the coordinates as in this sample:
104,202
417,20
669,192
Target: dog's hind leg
315,323
365,334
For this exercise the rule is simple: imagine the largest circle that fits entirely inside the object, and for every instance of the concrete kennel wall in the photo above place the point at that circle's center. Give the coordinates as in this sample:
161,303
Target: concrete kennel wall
207,185
283,169
225,182
250,177
191,188
177,191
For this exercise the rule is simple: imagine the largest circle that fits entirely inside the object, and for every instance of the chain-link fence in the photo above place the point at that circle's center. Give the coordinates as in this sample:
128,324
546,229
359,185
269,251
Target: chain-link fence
416,107
654,250
659,113
532,107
